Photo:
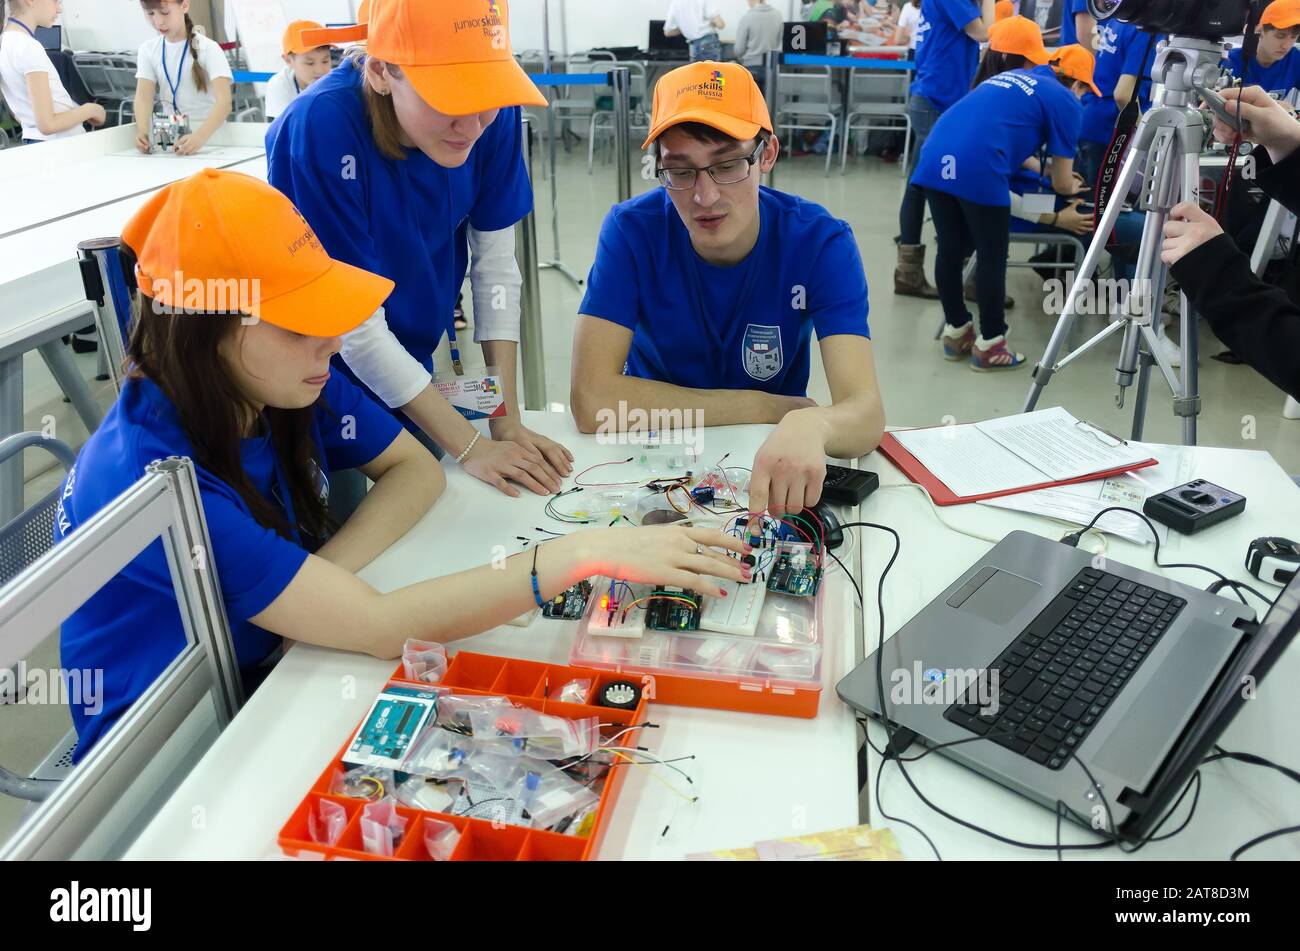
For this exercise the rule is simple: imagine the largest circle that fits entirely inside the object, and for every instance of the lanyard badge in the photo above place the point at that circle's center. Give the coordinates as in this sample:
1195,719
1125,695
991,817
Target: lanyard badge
475,395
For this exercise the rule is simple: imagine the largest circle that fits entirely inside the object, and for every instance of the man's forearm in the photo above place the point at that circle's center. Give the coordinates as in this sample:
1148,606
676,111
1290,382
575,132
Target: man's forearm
852,428
595,403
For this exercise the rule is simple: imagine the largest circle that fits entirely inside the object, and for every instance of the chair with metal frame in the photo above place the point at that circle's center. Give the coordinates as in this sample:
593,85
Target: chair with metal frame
22,541
579,102
881,99
110,80
805,94
104,803
602,120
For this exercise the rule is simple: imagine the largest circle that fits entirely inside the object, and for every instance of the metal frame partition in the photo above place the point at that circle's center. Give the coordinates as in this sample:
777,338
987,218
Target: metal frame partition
108,797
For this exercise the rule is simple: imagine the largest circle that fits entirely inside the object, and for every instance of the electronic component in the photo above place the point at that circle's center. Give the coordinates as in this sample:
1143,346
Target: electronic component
703,495
1274,560
619,694
617,608
569,604
738,612
795,570
390,728
166,131
848,486
1194,506
672,609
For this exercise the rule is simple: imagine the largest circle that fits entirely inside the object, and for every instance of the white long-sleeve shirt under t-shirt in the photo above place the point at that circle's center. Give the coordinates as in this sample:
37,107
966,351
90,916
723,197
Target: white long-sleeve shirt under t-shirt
380,361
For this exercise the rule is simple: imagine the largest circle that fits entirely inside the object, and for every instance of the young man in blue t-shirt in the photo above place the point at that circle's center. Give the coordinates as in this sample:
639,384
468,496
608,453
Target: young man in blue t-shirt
705,294
1276,67
948,38
1125,55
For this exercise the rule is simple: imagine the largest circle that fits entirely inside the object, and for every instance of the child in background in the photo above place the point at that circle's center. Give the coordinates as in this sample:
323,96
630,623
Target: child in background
29,81
1125,55
305,65
1276,67
186,71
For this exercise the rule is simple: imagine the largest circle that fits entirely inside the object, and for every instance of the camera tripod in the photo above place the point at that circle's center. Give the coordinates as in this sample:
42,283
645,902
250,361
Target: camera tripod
1166,153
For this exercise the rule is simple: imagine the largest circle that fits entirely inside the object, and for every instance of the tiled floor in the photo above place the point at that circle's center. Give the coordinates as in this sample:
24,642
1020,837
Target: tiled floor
1240,408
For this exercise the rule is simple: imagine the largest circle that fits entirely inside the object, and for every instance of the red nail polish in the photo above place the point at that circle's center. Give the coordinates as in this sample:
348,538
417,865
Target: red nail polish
724,592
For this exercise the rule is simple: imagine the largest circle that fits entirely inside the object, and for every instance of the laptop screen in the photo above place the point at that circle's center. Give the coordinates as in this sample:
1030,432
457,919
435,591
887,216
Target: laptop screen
663,43
1238,684
50,37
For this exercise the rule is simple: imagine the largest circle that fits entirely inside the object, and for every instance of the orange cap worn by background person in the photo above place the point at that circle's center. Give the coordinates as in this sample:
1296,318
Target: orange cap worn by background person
1003,9
723,96
1075,62
293,36
1281,14
199,236
1020,37
456,53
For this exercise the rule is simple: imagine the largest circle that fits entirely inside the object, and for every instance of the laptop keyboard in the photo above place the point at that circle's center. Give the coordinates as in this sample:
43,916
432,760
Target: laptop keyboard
1056,679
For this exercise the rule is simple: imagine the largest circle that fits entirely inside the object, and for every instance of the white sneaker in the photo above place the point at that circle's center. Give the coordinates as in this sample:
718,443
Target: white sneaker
1171,351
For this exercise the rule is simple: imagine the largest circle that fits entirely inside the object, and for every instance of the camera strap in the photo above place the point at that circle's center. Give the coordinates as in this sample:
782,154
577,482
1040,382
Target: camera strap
1108,175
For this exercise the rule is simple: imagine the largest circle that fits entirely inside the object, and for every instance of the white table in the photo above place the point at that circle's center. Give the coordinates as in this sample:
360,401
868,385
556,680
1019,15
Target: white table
1237,802
62,193
758,777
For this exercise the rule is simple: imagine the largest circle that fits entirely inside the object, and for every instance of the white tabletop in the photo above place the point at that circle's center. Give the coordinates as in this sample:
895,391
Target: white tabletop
758,777
1237,802
87,187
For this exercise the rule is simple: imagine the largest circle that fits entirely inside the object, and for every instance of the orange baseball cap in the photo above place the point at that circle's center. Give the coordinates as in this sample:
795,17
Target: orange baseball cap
721,95
363,11
1281,14
1075,62
293,36
456,53
1021,37
1003,9
198,238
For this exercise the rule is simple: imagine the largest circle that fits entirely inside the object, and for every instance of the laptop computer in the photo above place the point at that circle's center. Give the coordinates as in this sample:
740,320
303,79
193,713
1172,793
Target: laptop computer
1056,661
666,47
50,38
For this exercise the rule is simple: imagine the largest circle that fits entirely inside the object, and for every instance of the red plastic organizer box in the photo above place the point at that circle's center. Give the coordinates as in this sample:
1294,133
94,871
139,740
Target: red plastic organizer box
526,683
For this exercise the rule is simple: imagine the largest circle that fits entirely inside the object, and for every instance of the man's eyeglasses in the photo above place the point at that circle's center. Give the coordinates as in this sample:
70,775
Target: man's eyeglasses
730,172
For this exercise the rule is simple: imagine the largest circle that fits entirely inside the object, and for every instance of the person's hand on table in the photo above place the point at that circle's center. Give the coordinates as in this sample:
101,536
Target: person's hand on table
499,462
1071,219
189,144
95,114
143,141
1186,230
789,469
1271,125
661,555
556,459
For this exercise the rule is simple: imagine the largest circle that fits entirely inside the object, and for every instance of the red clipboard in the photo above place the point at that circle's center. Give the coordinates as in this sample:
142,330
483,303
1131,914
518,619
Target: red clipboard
942,495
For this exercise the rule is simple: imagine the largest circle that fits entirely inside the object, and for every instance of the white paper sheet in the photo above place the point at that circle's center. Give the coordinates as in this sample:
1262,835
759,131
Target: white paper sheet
967,461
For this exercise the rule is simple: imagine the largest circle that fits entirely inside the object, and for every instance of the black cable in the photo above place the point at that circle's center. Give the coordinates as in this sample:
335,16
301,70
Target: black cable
1236,854
1073,538
849,574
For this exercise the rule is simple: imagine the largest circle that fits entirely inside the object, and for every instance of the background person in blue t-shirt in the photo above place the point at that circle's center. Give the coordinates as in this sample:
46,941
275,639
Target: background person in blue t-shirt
948,38
1125,55
1276,67
705,294
966,170
251,400
1077,24
407,160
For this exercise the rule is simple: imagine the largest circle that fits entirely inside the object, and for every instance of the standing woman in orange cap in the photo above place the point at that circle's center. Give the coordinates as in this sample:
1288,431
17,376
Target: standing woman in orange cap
407,160
303,66
966,169
241,384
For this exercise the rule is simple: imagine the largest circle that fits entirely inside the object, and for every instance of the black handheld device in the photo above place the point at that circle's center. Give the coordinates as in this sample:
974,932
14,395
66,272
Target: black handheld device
1195,506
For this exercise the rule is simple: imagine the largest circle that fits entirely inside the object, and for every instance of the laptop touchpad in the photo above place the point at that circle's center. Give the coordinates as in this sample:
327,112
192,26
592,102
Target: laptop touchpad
1000,598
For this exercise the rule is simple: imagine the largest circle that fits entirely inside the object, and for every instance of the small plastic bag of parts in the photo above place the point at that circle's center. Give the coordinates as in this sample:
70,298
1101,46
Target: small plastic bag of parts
381,827
364,782
454,710
575,691
325,824
440,838
545,793
440,754
524,731
424,661
428,794
580,823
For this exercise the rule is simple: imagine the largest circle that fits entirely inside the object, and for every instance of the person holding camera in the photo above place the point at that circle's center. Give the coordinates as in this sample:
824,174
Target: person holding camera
1256,320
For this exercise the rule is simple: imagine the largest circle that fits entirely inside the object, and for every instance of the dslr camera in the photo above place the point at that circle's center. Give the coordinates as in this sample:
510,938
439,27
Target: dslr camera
1198,19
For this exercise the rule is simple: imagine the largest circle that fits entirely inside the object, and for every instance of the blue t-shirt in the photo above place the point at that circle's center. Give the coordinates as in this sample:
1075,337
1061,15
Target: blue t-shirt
1277,80
1122,51
131,628
406,219
1069,33
946,58
979,143
745,327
